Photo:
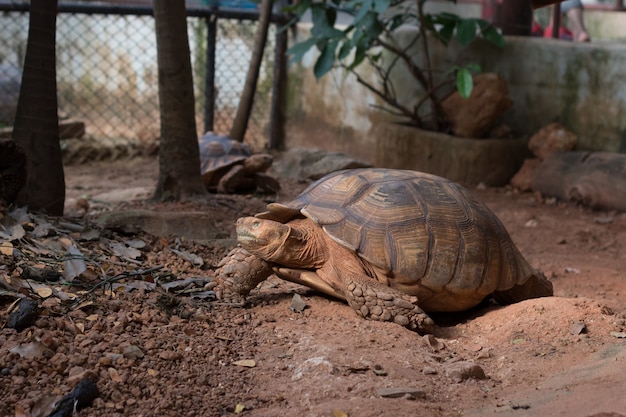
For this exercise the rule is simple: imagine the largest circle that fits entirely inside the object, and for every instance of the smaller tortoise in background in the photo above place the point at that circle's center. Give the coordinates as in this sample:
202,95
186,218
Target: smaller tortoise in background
228,166
394,244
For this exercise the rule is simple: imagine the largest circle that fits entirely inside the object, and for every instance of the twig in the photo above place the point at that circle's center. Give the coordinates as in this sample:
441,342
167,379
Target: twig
121,276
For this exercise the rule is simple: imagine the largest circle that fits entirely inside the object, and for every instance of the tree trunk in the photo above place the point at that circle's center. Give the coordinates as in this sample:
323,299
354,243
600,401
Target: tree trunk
240,124
179,156
36,127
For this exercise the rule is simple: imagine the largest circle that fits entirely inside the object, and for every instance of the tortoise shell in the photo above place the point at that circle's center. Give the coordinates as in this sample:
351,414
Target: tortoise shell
218,154
429,236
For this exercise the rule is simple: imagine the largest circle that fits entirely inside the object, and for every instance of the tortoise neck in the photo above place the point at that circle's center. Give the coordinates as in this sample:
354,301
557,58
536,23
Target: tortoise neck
304,246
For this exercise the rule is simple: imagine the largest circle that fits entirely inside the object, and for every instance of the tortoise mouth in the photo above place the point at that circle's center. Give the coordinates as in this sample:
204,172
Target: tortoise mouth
248,238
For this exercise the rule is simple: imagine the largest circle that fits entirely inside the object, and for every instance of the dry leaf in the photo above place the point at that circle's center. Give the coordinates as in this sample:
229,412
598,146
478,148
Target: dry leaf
136,243
239,408
6,248
44,292
42,230
29,350
14,232
75,266
189,257
44,406
123,251
83,305
248,363
339,413
65,242
91,234
20,411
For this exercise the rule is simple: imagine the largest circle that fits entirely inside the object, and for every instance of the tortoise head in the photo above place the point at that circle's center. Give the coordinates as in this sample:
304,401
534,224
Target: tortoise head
284,244
260,162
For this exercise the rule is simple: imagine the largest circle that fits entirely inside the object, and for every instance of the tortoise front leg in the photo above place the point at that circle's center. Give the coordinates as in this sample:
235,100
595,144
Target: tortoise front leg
238,274
375,301
230,180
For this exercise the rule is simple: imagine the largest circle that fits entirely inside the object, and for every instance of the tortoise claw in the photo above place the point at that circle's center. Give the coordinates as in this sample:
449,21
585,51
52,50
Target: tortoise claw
238,274
375,301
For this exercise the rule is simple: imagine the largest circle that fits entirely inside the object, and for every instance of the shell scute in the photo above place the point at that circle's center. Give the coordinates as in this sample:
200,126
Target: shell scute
218,152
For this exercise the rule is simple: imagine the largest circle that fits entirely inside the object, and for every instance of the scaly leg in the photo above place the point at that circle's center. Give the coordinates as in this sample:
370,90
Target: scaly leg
239,273
375,301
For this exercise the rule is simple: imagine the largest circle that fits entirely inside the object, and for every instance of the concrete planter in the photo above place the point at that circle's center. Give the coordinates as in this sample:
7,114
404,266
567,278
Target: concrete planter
467,161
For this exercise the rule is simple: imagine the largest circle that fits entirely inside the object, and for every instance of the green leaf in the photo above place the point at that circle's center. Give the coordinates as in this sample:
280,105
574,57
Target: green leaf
344,51
381,6
473,68
299,49
326,60
363,10
323,21
464,82
369,28
466,31
494,36
298,8
359,56
442,25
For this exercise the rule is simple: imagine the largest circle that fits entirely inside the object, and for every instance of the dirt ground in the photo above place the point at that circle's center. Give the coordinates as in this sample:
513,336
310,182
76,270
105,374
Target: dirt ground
179,353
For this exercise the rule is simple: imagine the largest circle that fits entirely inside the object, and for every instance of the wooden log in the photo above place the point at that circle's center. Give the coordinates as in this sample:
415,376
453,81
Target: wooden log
595,179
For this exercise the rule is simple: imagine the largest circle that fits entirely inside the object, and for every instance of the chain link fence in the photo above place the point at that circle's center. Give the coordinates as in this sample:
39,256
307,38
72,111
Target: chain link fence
107,71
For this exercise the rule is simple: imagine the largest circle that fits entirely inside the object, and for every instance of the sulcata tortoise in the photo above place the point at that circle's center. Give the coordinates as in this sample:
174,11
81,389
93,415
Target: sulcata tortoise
394,244
229,166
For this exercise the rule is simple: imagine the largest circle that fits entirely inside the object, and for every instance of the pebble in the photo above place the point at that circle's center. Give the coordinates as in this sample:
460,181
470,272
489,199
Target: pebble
408,393
428,370
133,352
168,355
460,371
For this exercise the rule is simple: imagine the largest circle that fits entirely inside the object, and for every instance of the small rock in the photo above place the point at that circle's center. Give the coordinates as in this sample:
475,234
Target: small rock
551,139
428,370
578,328
483,354
531,223
432,342
169,355
475,116
408,393
297,304
460,371
78,373
25,315
317,364
603,220
524,177
132,352
310,163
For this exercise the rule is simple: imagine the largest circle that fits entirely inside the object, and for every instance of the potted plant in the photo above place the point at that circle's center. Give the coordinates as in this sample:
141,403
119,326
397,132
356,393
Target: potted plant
370,37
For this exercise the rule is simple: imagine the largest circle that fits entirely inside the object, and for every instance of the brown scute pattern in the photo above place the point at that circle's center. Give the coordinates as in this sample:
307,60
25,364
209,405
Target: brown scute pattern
218,152
424,229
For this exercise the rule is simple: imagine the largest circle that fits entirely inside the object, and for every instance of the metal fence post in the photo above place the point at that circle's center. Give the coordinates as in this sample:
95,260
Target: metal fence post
279,92
209,75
